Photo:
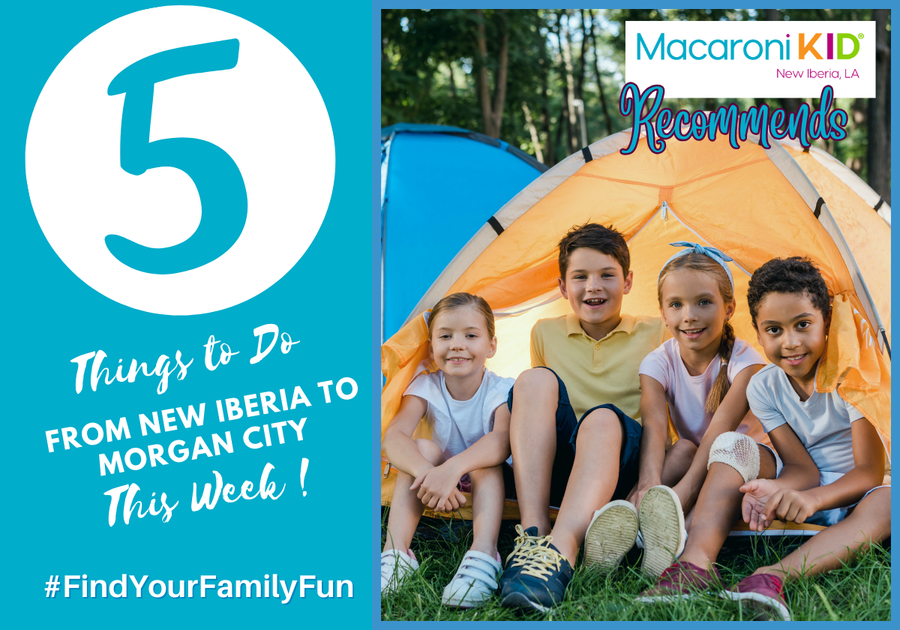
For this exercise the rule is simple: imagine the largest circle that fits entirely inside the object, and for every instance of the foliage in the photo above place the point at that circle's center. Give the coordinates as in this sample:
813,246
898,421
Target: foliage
430,65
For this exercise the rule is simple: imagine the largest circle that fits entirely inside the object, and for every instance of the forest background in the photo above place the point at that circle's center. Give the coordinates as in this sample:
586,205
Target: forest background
519,75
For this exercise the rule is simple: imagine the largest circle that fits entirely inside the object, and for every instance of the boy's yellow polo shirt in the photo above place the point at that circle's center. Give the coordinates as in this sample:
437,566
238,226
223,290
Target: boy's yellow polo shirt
597,372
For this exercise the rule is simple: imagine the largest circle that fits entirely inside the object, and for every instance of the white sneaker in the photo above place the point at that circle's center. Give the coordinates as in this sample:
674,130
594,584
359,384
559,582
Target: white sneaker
610,535
395,568
662,530
474,582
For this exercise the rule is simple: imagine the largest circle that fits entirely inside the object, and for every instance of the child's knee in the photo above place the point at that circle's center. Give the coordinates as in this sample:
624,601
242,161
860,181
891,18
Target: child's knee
683,449
876,510
430,451
599,425
536,381
482,475
738,451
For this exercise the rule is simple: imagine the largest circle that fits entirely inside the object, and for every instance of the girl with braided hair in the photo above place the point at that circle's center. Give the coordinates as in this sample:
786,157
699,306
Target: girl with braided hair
698,378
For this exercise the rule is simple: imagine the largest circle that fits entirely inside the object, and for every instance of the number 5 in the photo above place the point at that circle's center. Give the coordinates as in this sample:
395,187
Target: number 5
223,196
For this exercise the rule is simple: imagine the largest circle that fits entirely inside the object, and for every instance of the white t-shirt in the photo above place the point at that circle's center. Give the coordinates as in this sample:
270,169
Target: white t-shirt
687,394
458,424
822,422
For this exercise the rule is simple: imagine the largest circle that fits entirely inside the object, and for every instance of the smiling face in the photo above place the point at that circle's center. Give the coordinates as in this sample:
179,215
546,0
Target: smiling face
694,310
594,286
460,343
792,331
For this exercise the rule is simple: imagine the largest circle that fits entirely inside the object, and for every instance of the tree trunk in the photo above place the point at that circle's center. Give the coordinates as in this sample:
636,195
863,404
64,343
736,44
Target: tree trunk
879,151
545,108
565,46
579,81
452,80
603,106
536,143
858,118
492,108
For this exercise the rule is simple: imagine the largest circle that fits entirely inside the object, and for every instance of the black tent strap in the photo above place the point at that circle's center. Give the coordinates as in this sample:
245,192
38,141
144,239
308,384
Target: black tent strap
879,204
819,204
586,152
494,223
887,345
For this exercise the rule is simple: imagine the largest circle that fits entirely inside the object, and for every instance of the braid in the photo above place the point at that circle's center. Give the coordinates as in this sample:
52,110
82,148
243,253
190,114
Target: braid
721,385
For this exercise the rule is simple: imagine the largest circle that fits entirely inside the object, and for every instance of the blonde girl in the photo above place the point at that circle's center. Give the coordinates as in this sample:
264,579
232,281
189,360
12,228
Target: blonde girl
465,407
698,377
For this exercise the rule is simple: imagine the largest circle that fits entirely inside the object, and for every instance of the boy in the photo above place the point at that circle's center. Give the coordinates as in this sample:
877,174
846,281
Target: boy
570,447
832,467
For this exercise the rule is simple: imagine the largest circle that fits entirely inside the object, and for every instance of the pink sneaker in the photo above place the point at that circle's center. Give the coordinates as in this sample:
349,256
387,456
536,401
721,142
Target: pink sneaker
680,581
763,593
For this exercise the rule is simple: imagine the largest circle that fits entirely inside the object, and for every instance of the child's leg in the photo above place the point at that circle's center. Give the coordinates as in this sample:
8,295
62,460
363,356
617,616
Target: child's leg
532,439
677,462
487,508
869,521
593,480
406,507
718,508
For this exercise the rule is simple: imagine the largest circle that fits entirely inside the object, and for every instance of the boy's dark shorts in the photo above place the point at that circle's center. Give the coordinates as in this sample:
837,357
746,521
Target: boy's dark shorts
566,433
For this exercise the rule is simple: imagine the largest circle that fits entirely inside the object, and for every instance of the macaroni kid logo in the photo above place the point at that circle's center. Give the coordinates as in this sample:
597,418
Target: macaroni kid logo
180,160
752,59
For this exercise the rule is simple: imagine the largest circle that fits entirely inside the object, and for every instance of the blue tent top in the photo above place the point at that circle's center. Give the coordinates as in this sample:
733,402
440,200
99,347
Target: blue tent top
439,185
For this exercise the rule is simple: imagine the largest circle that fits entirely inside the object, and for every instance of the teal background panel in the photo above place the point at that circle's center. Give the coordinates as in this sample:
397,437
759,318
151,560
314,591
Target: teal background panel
55,510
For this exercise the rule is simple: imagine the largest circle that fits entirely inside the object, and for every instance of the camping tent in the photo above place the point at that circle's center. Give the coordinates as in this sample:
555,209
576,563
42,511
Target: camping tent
753,203
838,171
863,216
438,186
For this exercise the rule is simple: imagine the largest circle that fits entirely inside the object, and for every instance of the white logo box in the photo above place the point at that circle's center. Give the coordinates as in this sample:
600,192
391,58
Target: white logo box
737,74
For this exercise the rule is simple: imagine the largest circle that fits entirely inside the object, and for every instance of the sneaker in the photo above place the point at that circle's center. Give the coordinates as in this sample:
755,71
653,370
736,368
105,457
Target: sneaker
474,582
662,529
680,581
395,568
536,574
525,539
611,534
762,593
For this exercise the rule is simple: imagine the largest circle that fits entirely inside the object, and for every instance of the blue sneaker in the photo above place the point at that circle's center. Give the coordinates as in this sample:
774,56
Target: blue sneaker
536,574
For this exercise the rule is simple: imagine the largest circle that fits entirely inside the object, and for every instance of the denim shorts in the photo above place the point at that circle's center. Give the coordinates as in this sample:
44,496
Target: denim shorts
566,435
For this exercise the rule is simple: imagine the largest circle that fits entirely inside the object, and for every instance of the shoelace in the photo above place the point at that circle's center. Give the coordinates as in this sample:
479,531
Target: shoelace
540,560
523,542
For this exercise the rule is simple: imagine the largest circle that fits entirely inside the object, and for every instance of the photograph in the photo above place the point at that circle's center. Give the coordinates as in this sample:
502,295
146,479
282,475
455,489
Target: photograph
635,278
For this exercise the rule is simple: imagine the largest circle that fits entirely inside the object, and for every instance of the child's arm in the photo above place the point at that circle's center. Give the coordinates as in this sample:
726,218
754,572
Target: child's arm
655,423
398,445
783,497
867,473
491,450
732,410
799,504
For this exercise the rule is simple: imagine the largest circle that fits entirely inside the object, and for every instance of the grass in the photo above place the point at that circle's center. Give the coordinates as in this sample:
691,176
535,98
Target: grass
860,591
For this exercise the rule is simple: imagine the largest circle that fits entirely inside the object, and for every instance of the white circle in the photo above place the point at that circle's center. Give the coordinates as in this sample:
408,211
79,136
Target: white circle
266,113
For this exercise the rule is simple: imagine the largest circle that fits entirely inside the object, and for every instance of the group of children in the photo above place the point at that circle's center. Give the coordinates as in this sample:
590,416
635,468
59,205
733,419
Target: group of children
586,429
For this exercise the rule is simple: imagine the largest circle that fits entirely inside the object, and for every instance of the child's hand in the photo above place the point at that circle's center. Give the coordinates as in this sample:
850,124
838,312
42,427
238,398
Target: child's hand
757,494
790,505
763,501
437,489
638,493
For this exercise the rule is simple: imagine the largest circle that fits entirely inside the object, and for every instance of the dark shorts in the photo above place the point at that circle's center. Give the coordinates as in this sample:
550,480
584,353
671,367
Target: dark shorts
566,434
